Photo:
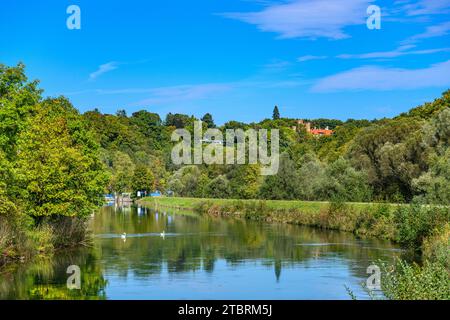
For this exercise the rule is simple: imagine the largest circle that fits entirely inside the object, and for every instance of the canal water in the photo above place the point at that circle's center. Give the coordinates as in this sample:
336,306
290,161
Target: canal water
170,254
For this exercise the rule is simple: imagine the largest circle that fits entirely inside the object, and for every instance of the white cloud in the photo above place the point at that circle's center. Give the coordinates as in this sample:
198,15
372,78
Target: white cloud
400,51
426,7
310,57
276,66
438,30
379,78
307,18
104,68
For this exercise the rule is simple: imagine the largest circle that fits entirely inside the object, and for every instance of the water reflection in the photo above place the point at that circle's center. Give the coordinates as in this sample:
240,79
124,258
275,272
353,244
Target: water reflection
179,255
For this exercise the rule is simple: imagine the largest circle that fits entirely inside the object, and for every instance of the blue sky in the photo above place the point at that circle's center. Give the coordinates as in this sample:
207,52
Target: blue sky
234,58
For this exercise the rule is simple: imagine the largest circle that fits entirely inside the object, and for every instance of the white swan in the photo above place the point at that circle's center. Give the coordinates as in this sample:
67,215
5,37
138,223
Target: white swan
163,234
123,235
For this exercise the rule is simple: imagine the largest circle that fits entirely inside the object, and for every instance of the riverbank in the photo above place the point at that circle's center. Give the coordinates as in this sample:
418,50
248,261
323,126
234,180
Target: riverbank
363,219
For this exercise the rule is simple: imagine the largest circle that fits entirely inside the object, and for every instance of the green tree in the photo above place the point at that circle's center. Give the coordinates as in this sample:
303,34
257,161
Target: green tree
284,184
345,183
188,181
18,101
121,113
392,155
218,187
276,113
177,120
58,169
245,181
311,177
122,173
145,120
434,184
143,179
208,119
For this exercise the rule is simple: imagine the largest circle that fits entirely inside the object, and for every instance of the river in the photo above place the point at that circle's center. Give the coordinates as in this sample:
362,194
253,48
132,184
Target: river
201,257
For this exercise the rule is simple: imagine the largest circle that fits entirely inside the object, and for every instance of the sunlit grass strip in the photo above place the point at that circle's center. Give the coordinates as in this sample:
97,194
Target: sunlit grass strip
304,206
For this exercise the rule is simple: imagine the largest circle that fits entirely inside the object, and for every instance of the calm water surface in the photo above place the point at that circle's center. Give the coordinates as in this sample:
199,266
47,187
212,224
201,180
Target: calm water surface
201,258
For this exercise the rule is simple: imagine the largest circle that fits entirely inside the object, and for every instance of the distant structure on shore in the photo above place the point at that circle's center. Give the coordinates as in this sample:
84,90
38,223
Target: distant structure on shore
314,131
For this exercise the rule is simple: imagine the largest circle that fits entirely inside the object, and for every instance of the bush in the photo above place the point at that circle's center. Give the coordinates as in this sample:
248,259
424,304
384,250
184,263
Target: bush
414,282
415,222
41,239
436,247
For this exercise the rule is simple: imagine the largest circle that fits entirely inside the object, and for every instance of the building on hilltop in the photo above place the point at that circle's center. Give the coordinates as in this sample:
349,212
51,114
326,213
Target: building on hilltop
315,131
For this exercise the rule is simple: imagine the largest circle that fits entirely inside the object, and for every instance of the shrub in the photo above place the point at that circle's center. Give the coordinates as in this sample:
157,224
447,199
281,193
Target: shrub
414,282
41,238
415,222
436,247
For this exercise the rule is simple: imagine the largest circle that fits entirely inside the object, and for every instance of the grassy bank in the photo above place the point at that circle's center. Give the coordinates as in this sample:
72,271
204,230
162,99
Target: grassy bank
421,228
351,217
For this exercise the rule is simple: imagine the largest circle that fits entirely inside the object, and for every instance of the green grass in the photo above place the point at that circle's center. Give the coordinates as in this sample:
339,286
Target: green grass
303,206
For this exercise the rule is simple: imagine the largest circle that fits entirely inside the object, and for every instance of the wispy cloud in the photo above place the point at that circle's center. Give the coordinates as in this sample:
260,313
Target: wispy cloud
192,92
310,57
181,93
102,69
379,78
400,51
438,30
307,18
426,7
276,66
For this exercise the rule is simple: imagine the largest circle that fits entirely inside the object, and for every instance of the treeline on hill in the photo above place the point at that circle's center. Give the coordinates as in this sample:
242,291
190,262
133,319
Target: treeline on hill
387,160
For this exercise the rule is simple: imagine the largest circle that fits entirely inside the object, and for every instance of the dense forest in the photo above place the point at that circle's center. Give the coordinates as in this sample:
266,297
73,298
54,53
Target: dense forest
385,160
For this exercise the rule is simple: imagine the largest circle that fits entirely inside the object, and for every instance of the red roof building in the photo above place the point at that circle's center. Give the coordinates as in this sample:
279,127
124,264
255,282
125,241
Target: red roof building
315,131
321,132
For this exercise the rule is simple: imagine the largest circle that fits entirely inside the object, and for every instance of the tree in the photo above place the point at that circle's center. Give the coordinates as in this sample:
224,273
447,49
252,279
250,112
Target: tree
434,184
150,126
188,181
284,184
58,169
143,179
244,181
121,113
276,113
219,187
177,120
208,119
122,173
18,101
392,154
311,177
345,183
145,120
